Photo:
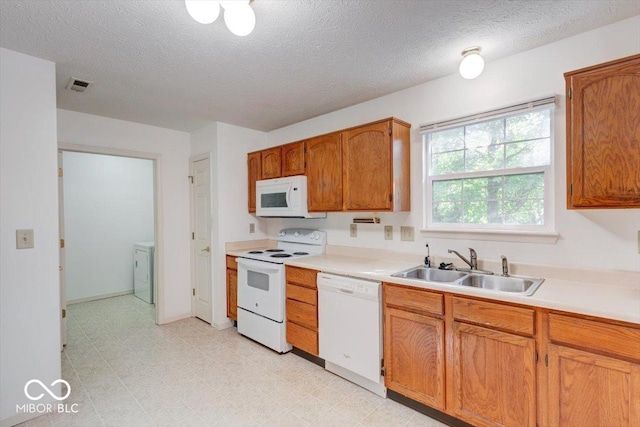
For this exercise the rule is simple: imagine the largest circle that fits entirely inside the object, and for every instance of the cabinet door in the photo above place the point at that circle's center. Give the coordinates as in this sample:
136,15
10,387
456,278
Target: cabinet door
493,377
232,294
366,167
254,165
603,136
588,390
293,159
414,356
271,163
324,173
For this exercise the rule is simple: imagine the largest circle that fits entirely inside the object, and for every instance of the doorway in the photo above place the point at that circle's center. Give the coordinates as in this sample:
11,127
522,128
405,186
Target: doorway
108,227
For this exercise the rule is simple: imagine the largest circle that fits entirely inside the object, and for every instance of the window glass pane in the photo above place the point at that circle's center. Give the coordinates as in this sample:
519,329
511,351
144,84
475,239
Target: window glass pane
529,153
536,124
450,190
524,212
445,163
447,212
465,153
447,140
483,188
526,186
485,158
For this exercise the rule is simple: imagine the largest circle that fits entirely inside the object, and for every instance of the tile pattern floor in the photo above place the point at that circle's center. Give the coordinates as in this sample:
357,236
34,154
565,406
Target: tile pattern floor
126,371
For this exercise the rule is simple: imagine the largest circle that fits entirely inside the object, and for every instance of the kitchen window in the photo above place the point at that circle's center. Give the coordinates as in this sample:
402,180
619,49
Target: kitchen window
491,171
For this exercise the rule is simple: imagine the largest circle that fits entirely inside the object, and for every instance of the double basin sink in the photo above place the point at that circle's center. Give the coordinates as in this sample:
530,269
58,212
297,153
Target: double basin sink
524,286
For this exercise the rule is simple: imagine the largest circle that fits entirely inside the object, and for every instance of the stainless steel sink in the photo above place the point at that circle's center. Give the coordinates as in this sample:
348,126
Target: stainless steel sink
519,285
430,274
512,284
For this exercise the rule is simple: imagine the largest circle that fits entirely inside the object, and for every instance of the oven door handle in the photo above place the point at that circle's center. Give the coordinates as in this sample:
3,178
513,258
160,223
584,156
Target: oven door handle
258,265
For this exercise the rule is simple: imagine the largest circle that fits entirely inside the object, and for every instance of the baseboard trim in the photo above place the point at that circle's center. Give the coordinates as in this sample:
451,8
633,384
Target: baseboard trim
174,319
223,325
97,297
427,410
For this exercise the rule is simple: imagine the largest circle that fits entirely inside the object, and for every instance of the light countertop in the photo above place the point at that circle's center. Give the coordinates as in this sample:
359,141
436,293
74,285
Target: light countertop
600,300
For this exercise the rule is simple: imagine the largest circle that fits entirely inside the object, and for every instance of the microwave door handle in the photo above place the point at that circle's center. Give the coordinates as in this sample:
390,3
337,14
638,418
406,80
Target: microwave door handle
289,196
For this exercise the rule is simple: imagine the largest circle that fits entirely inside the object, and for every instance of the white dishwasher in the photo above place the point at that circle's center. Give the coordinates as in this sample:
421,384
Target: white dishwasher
350,329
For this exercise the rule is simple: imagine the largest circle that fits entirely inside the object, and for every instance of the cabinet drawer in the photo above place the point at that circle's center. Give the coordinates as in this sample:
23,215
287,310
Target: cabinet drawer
302,276
613,339
302,338
413,299
515,319
231,262
302,313
300,293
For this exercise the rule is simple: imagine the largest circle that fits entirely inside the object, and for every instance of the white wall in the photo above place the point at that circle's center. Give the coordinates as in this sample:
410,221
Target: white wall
228,146
29,281
171,149
108,206
597,238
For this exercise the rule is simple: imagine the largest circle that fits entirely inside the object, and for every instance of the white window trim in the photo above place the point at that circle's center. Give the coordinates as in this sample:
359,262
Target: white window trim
500,232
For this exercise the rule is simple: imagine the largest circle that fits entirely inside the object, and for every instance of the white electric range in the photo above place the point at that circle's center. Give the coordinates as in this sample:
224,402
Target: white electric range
261,285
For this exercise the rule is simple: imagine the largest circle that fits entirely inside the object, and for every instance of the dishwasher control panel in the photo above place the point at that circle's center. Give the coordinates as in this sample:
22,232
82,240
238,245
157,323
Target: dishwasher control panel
349,285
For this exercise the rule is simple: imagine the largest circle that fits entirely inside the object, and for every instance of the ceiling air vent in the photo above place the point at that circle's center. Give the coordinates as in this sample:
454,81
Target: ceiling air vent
78,85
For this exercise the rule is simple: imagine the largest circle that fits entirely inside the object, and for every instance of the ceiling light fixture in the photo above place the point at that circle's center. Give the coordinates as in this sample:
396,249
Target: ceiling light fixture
238,14
472,63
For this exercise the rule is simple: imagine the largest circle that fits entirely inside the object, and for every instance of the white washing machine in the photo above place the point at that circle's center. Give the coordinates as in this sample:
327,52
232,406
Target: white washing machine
143,281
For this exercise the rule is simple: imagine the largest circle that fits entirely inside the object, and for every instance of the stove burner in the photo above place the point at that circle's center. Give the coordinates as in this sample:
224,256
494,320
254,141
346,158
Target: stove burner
301,253
280,256
274,250
254,252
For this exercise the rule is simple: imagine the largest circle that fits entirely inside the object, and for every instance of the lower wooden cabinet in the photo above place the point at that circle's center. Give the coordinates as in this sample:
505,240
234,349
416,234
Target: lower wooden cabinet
414,356
594,373
302,309
491,363
494,377
589,390
232,288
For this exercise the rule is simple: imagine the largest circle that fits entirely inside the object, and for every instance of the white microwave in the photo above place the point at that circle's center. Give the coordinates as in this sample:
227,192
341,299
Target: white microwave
284,198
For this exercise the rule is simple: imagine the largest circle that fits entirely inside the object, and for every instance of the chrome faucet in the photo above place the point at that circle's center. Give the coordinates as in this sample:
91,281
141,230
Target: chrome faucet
505,266
473,263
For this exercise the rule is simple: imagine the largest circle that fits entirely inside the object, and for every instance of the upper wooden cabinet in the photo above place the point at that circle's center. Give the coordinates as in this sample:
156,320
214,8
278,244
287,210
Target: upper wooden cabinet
324,173
364,168
603,135
271,163
254,165
375,167
293,159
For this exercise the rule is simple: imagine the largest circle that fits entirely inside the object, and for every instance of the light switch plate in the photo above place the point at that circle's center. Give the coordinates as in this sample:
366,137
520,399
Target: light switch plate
252,227
353,230
24,239
388,232
407,233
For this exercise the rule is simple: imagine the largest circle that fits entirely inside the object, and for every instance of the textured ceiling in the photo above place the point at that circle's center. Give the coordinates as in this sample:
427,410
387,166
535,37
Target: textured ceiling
151,63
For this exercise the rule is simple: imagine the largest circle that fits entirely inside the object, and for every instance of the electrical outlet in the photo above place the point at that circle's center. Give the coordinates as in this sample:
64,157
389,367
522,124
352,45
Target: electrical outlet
24,239
252,227
353,230
388,232
407,234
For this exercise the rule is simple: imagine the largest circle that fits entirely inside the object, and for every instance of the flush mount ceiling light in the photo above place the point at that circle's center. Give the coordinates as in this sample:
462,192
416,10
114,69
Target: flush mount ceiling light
238,14
472,63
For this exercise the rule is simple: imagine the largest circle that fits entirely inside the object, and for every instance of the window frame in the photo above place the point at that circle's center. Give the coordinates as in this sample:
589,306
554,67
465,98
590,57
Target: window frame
547,229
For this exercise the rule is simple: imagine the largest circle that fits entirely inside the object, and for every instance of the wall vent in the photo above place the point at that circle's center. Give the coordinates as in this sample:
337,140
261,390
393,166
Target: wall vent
78,85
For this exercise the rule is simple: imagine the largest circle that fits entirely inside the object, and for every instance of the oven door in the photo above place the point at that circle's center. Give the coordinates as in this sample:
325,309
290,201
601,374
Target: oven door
261,288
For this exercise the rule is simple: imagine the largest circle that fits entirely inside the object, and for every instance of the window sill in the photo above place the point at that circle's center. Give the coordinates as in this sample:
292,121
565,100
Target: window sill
548,237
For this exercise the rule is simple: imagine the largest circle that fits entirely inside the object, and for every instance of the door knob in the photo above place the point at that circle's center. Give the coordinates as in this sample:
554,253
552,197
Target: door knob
207,249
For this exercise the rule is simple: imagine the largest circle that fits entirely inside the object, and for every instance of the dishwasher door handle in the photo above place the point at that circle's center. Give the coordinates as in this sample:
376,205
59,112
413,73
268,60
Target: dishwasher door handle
345,291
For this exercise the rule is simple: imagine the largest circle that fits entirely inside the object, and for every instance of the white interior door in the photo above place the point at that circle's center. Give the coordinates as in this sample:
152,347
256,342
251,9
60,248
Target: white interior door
63,291
201,239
